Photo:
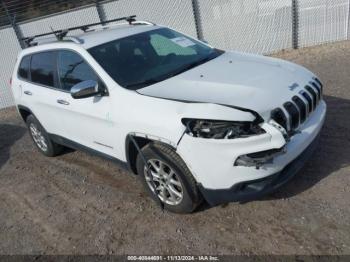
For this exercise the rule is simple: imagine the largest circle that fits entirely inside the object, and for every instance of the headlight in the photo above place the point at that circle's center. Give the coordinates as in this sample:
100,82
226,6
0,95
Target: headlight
218,129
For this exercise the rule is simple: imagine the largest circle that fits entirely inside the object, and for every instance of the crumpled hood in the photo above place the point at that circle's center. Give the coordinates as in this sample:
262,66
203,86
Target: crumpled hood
248,81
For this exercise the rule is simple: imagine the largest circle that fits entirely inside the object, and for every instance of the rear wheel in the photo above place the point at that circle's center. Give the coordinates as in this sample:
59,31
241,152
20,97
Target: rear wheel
41,138
170,179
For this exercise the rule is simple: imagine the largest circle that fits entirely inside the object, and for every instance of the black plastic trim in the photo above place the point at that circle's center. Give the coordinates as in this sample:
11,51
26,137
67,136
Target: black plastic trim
21,107
302,108
127,153
314,96
309,100
320,83
128,146
71,144
293,113
318,90
279,116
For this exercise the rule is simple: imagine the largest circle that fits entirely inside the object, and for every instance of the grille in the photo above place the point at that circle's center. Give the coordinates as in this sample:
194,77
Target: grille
313,94
302,108
295,112
318,90
279,117
294,115
308,98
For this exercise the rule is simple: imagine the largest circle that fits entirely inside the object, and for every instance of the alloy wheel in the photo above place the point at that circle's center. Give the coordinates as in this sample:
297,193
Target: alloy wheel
167,184
38,137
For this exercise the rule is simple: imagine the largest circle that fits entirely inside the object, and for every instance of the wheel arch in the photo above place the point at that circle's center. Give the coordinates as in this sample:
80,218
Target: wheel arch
141,140
24,112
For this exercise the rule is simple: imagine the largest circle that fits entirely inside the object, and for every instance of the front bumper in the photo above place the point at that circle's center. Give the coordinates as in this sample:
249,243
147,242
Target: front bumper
212,162
255,189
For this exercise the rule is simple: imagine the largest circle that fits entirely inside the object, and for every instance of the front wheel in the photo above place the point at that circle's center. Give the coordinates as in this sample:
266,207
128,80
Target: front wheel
171,180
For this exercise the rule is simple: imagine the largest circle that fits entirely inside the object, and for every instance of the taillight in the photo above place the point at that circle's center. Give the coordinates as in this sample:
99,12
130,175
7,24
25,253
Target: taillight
11,81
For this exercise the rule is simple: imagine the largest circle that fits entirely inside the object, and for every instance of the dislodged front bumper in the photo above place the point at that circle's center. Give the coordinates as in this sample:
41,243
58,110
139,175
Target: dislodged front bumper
255,189
212,162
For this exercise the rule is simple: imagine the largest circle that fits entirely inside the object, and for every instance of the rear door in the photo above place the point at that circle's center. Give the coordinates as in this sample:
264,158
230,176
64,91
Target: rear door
40,90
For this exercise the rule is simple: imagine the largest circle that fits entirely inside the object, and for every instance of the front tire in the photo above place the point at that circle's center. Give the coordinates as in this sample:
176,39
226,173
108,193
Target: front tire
41,138
173,183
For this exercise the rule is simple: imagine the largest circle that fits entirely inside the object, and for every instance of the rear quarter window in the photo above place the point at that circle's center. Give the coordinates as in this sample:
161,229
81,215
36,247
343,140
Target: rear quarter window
23,69
43,68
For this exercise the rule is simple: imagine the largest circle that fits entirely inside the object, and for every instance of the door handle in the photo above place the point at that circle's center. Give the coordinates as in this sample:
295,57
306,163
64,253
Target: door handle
62,102
28,93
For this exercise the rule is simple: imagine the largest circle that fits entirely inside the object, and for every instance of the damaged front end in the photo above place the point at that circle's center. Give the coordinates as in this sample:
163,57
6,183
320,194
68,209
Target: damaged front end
217,129
259,159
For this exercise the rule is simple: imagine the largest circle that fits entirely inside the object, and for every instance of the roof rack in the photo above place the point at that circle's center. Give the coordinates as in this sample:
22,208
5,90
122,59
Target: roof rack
74,39
61,34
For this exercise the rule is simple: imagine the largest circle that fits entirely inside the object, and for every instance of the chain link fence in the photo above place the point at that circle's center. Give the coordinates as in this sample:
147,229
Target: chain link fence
258,26
251,26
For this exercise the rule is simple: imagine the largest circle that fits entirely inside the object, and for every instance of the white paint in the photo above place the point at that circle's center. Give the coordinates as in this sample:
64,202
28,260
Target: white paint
253,82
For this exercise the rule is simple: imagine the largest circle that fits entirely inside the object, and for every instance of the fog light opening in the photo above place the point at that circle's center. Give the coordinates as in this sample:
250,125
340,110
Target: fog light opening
259,159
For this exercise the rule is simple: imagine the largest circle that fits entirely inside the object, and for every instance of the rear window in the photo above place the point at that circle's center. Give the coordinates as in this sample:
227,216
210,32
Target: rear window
23,70
42,68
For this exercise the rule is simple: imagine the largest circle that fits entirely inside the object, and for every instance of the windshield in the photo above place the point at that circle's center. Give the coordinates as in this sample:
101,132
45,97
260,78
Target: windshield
150,57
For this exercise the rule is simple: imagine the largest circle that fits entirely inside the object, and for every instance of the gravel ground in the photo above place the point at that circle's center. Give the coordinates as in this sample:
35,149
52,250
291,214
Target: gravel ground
80,204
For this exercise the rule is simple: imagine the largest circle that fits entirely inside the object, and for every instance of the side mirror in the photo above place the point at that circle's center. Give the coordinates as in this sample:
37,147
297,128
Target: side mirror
85,89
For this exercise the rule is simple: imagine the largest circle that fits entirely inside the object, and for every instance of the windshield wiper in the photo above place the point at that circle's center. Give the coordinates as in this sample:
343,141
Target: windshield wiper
152,81
195,64
141,84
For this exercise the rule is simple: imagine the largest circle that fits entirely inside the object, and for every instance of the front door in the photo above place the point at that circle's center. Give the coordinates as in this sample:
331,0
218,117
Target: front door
87,120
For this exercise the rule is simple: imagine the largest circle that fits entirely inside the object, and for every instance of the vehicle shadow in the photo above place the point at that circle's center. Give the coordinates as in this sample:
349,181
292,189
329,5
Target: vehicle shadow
9,134
332,154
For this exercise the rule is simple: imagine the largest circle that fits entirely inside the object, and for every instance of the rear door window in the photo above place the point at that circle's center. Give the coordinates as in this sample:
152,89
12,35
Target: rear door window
72,69
23,70
43,67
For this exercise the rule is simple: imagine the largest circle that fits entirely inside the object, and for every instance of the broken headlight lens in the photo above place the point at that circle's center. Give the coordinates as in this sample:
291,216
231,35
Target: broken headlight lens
217,129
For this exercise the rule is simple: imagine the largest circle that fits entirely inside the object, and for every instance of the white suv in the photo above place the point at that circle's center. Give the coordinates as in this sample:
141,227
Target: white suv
192,121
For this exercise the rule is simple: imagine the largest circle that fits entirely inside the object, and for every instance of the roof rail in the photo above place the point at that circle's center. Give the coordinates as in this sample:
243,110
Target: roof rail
74,39
60,34
143,22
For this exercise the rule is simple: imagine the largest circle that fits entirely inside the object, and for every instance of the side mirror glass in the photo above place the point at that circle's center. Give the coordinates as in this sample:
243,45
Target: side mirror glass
85,89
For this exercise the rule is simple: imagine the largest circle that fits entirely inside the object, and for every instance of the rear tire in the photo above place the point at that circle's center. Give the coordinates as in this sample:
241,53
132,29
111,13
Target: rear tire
175,186
41,138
